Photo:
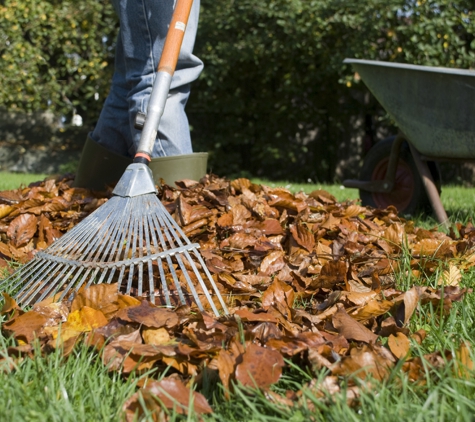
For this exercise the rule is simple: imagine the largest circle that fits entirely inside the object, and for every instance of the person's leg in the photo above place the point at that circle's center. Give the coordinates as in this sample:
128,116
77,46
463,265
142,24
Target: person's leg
112,129
143,28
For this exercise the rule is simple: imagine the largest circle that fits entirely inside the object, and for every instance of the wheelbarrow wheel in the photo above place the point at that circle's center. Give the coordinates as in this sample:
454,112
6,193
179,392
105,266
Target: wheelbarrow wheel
408,194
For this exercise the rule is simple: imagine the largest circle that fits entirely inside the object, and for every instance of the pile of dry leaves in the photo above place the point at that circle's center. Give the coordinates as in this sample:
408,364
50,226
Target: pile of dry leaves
312,281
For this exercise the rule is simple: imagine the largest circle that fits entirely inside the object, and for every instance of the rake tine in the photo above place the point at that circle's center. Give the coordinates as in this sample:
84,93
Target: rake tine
169,262
78,286
202,283
133,238
103,276
121,276
89,245
68,287
159,264
111,233
111,276
55,282
91,279
70,241
190,283
140,269
28,288
166,291
18,276
211,280
114,238
121,234
151,285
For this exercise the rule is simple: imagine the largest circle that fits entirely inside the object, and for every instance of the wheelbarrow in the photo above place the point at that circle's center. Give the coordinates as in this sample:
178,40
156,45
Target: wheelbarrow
434,109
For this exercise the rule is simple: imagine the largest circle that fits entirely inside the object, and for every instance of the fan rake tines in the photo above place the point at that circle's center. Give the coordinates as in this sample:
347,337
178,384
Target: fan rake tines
132,241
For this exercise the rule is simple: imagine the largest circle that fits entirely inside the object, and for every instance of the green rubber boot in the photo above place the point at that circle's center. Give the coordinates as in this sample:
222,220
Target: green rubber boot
99,167
178,167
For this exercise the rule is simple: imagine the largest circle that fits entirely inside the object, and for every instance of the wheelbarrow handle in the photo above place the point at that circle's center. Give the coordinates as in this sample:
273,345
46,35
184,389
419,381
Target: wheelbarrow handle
161,86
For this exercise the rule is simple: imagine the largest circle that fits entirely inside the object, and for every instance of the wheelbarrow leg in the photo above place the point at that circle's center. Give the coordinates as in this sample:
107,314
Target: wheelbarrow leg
430,187
387,184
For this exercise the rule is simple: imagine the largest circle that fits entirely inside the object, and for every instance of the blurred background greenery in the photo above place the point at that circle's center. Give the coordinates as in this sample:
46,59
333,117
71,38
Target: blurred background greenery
274,100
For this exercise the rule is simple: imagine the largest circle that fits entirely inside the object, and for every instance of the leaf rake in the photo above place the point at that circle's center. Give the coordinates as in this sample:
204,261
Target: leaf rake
131,240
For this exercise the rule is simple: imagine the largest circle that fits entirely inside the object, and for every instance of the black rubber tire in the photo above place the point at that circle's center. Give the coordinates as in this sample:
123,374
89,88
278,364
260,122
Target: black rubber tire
408,195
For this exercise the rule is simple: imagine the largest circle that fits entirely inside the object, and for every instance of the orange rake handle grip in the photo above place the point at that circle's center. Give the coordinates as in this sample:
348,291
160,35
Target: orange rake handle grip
175,35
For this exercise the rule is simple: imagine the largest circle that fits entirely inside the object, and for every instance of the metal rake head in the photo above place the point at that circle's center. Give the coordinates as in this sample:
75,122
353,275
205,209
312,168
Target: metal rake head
132,241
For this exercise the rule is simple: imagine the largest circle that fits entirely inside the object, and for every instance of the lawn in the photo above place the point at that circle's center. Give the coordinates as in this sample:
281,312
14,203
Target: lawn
81,389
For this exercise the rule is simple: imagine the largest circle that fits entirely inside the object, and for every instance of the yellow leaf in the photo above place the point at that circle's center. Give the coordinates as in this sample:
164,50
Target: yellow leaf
5,210
156,336
126,301
450,277
464,362
63,332
85,319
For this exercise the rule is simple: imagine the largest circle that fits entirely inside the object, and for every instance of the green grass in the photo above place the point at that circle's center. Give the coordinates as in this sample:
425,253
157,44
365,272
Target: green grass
54,389
15,180
81,389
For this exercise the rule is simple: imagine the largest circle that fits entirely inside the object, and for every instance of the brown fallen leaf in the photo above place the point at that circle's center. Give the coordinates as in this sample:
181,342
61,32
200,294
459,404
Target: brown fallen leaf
352,329
272,263
394,234
248,316
431,247
279,295
419,336
149,315
172,393
365,360
372,309
303,237
22,229
260,367
102,297
399,345
55,313
9,304
26,327
225,363
169,393
408,306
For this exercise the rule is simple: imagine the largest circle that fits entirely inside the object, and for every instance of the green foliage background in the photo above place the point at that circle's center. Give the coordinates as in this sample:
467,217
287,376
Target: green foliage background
274,99
56,55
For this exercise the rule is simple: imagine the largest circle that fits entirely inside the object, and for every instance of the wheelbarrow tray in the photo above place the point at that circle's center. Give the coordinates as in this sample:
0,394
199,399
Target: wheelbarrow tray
433,106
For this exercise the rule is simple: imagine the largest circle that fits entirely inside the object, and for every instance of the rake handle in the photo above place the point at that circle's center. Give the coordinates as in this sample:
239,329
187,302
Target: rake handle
161,87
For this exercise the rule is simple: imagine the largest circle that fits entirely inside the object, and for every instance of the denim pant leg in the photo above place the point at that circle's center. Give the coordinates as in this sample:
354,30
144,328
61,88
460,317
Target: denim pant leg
143,28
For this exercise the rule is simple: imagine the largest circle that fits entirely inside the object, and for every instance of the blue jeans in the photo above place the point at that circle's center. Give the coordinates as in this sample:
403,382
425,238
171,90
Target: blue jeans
143,29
